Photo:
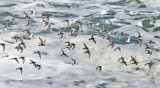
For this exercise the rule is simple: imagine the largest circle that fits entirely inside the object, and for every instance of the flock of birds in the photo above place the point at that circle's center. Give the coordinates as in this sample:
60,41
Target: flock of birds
69,45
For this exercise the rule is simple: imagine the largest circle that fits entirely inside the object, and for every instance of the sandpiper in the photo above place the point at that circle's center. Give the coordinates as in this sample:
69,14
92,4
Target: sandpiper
19,47
111,43
148,52
99,68
149,64
28,32
140,42
3,45
39,66
90,25
105,30
139,34
85,46
39,53
74,62
34,63
118,48
151,42
23,58
33,12
27,16
73,45
134,60
147,47
93,39
20,68
15,59
67,21
60,32
102,36
72,32
42,42
63,53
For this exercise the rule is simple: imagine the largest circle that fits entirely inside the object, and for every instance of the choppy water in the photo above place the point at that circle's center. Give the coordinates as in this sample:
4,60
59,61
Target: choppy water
127,16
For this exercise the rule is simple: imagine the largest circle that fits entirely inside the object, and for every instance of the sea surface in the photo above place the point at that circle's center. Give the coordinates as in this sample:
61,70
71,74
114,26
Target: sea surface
127,17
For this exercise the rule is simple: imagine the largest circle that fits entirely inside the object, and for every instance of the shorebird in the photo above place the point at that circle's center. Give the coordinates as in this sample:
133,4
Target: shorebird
148,52
19,47
122,58
23,44
147,47
140,42
33,12
67,21
127,37
151,42
134,60
39,53
139,34
74,62
42,42
105,30
73,45
47,24
69,44
27,16
28,32
60,32
23,58
102,36
28,22
93,39
15,59
110,24
99,68
124,62
111,43
63,53
20,68
118,48
98,31
90,25
3,45
72,32
85,46
15,37
5,56
39,66
33,62
149,64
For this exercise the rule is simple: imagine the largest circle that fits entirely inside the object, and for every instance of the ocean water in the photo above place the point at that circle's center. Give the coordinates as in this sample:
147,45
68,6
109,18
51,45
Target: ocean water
127,17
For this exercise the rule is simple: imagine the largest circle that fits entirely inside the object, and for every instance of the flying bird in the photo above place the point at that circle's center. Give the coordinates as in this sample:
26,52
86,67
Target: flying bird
20,68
